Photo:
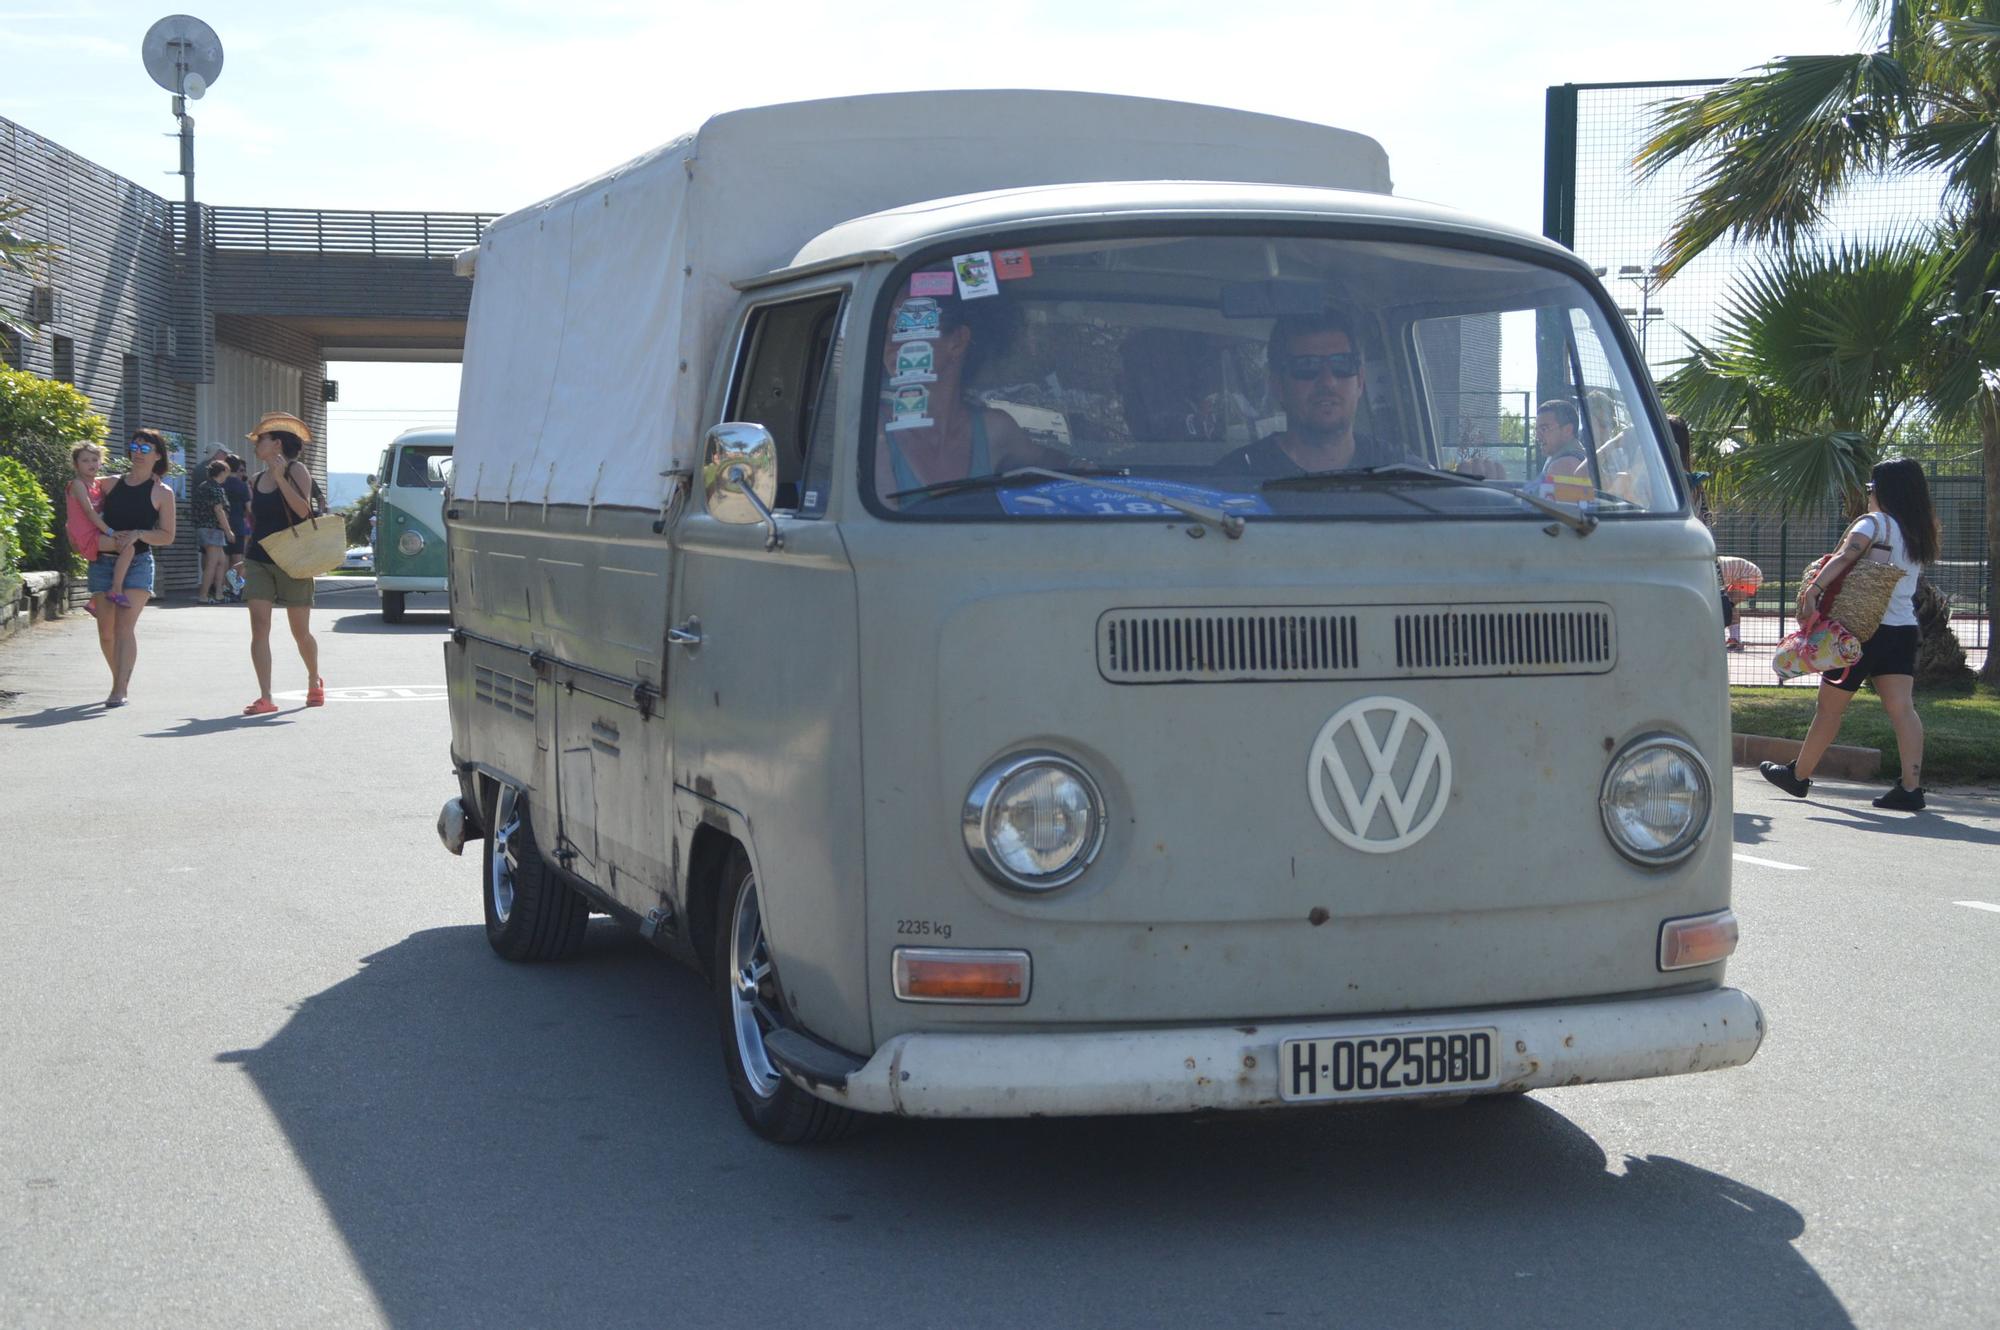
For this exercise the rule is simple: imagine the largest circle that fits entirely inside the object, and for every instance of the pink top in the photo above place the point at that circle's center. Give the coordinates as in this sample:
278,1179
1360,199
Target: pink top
83,531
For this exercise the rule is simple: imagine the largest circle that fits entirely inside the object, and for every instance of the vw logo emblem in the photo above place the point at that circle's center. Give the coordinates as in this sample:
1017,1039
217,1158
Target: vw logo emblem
1386,763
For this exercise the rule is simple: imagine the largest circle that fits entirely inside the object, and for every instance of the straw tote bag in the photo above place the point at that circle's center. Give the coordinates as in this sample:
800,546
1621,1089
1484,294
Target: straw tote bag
1860,599
313,546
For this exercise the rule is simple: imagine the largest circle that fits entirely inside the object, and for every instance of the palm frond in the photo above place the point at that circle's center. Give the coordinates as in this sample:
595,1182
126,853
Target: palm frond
1770,148
1800,471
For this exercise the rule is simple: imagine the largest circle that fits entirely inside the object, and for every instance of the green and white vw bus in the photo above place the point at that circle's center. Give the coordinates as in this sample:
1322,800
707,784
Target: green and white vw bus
409,518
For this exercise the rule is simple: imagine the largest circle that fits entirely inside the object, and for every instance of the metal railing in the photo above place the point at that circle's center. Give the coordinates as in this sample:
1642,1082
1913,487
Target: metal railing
425,235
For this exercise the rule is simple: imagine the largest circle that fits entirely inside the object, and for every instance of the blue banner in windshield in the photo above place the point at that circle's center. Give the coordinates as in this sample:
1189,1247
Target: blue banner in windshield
1071,498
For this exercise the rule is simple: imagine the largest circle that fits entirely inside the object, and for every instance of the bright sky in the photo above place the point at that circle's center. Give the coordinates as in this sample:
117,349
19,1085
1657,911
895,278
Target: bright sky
486,107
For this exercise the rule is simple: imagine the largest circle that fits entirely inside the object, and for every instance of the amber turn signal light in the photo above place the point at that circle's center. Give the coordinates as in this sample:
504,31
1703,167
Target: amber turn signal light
1701,939
952,974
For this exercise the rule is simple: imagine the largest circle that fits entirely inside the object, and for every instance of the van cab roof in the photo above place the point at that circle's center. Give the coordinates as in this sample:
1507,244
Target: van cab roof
914,225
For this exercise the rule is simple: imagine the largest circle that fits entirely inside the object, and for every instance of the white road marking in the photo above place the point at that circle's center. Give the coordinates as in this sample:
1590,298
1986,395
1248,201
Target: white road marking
1768,863
419,692
1978,905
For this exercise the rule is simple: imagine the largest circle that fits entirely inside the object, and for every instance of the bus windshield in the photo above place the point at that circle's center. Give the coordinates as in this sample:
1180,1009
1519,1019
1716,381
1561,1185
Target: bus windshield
1265,377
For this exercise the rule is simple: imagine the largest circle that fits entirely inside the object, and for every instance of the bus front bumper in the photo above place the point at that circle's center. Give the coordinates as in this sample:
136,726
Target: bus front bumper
1058,1074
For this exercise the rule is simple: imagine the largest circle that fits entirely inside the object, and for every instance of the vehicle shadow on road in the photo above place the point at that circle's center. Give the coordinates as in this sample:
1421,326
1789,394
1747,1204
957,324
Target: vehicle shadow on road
554,1144
414,622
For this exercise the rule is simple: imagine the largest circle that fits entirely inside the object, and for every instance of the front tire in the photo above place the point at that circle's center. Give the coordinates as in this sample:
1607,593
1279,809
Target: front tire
749,1004
531,914
392,606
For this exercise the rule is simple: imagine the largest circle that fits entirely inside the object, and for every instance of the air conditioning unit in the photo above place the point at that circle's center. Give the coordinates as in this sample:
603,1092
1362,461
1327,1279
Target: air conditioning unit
42,304
165,341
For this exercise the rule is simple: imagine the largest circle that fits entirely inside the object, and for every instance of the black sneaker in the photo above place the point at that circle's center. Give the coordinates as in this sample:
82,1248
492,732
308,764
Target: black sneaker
1782,775
1901,800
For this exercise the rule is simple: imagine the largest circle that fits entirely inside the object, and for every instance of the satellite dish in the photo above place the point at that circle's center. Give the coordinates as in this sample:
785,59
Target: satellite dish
183,55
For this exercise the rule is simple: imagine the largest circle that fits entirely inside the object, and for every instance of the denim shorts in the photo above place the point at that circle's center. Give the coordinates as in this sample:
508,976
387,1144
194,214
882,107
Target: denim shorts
210,537
139,577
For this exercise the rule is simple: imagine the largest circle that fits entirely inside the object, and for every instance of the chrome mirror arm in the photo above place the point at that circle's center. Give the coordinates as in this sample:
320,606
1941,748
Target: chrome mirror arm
739,480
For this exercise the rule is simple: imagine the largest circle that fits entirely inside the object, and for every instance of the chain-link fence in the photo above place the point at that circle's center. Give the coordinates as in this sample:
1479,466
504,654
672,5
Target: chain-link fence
1594,202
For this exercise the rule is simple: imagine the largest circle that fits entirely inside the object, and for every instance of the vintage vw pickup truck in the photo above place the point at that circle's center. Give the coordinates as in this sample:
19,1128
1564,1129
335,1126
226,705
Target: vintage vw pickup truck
1058,605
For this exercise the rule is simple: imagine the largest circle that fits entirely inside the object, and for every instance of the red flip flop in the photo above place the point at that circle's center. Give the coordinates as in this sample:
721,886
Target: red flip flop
261,707
316,695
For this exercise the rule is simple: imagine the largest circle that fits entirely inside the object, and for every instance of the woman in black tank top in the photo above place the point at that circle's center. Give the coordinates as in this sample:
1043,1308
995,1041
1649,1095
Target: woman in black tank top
280,499
140,512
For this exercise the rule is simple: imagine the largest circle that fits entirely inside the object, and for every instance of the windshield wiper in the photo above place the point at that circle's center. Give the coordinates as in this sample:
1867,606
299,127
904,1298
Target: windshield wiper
1229,524
1575,519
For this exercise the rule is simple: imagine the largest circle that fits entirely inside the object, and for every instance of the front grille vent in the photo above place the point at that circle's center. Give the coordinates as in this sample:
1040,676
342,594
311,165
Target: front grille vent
1225,645
1547,639
504,692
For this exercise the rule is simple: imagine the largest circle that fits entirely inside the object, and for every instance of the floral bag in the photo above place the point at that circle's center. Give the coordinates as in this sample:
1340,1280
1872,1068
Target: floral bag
1819,645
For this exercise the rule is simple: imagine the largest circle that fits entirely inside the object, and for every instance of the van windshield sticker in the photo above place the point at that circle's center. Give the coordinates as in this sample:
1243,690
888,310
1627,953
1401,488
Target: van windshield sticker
975,275
1010,264
917,320
1065,498
931,284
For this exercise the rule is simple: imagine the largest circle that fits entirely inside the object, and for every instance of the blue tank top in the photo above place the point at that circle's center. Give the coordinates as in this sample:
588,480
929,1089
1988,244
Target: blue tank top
981,462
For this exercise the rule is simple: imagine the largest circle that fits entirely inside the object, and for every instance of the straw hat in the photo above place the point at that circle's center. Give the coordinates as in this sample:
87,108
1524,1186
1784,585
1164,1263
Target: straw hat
281,420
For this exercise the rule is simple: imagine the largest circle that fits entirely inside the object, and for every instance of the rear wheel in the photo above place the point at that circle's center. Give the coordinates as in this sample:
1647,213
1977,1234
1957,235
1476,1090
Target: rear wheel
392,606
531,914
749,1005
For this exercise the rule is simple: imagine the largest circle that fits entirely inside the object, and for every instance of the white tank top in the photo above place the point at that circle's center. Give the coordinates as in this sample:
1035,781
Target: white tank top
1887,536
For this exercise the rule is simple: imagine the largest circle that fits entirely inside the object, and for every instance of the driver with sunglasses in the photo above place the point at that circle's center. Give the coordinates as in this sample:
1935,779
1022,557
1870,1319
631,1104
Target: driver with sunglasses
1315,366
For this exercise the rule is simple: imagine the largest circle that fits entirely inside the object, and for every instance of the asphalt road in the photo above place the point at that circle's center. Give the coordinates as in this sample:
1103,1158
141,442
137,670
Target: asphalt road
258,1067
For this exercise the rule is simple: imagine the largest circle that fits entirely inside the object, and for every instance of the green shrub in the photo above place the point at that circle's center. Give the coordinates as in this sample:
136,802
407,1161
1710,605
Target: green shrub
27,518
40,421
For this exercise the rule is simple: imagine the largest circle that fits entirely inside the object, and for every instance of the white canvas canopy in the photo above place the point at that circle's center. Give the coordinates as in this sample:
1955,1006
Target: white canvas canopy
596,314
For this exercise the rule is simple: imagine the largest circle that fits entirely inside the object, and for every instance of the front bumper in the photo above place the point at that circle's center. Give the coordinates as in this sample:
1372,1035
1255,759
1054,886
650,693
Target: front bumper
403,582
1182,1070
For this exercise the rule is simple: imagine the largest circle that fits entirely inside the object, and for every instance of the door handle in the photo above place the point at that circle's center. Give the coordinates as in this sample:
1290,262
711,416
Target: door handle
686,635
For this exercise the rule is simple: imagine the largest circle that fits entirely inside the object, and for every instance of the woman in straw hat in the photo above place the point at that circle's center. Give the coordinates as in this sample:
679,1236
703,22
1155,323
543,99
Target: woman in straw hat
280,499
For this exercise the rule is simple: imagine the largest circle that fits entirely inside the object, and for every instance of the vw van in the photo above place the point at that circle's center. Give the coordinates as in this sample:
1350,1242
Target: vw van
1049,602
409,518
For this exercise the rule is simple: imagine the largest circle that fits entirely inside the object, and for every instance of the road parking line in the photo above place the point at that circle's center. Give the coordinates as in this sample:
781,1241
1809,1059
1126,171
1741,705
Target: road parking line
1978,905
1768,863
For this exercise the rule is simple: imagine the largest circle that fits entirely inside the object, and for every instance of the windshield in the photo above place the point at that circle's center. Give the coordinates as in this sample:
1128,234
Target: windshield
1255,376
424,467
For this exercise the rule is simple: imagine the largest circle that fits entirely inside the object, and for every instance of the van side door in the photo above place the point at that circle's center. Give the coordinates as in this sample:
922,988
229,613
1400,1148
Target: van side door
765,709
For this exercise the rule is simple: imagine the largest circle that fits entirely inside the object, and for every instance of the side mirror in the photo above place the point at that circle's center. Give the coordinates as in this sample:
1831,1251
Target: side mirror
739,477
371,481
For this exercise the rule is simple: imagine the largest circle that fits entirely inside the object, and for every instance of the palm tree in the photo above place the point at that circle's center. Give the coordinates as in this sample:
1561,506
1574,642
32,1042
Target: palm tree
1775,146
1819,357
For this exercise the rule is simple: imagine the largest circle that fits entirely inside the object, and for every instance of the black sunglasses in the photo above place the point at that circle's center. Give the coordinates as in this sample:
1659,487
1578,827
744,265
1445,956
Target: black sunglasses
1304,369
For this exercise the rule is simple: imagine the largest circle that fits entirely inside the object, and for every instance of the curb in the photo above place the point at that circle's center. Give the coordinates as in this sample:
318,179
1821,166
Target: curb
1844,761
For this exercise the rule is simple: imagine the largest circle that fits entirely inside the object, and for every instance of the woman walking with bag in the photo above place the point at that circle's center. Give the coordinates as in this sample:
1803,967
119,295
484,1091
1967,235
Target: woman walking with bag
1899,528
279,501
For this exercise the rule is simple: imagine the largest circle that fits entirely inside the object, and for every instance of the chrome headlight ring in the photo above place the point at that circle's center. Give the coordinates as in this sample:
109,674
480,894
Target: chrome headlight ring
1640,807
1061,807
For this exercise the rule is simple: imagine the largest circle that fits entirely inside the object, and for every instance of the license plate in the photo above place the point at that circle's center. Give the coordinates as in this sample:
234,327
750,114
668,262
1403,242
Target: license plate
1385,1064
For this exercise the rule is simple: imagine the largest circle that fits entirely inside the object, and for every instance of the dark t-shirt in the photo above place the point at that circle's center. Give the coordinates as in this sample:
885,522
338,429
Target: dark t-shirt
239,499
1266,458
207,497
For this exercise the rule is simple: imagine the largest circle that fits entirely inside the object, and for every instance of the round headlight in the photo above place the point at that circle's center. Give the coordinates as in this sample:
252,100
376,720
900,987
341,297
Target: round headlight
1656,800
1033,821
410,544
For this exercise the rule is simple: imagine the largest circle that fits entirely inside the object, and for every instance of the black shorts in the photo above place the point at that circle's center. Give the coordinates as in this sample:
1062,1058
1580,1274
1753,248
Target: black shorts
1893,650
235,547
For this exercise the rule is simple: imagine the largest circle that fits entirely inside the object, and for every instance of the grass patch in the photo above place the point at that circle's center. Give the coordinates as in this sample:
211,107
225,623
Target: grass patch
1961,729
